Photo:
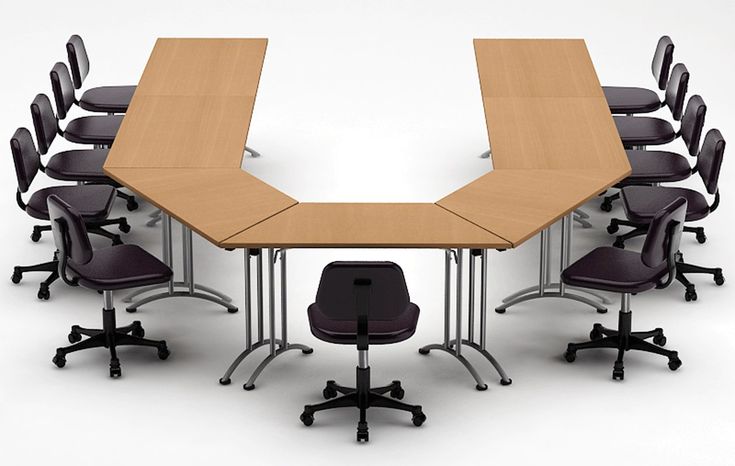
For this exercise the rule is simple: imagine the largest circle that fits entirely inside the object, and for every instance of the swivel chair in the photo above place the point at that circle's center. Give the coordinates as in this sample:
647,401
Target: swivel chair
84,166
632,100
627,272
94,202
363,303
641,203
105,99
107,269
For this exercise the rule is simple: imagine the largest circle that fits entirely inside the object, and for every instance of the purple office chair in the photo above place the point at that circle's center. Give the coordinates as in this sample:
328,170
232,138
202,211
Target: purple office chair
105,99
107,269
627,272
362,303
632,100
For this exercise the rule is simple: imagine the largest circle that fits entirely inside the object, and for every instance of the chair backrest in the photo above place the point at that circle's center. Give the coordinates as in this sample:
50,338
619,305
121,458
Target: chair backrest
25,157
388,292
676,90
78,60
664,233
709,159
70,233
692,123
44,122
662,60
63,89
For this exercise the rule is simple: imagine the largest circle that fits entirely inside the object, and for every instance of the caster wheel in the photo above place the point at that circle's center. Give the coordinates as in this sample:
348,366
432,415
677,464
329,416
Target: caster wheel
59,360
116,240
398,393
329,393
719,279
138,331
307,418
701,237
606,206
115,372
43,292
418,418
124,227
674,363
163,352
307,351
362,432
612,228
225,381
659,340
618,374
596,334
18,276
423,351
75,337
131,204
36,236
690,295
679,257
570,356
506,382
619,243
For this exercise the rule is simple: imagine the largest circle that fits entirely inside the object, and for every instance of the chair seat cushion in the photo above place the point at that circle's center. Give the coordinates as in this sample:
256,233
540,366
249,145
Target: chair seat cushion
78,165
380,331
630,100
644,131
108,99
656,167
613,269
641,203
93,129
93,202
120,267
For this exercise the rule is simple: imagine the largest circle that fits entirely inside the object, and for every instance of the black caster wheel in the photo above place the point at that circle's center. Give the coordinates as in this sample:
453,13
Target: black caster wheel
596,334
418,418
225,381
679,257
701,237
124,227
570,355
18,276
674,363
506,382
618,374
481,387
613,228
423,351
307,351
619,243
329,392
36,235
690,295
43,292
131,204
74,337
659,340
115,372
719,279
307,418
362,432
163,352
116,240
397,392
59,360
138,330
606,206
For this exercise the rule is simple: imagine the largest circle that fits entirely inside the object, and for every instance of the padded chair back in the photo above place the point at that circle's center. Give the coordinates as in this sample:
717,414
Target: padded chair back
662,60
692,124
78,60
709,160
676,90
70,233
388,291
63,89
25,157
44,122
664,234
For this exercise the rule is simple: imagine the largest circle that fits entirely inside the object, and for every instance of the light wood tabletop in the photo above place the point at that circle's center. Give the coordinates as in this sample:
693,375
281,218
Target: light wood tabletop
373,225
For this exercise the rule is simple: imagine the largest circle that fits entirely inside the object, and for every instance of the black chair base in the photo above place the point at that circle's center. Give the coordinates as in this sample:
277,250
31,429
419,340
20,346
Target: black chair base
52,267
640,229
363,397
682,269
93,228
109,337
624,340
130,203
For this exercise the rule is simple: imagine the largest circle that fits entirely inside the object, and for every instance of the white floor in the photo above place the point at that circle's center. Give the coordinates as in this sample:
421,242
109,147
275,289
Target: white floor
368,101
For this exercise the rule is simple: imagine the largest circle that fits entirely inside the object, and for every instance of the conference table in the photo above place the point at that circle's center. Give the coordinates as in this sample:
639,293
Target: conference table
180,147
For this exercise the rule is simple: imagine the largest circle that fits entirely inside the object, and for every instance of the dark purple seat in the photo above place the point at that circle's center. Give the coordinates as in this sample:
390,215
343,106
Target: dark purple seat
631,100
104,99
360,303
107,269
93,201
625,272
642,202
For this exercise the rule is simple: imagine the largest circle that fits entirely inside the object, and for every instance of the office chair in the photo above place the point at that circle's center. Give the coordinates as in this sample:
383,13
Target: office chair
83,166
632,100
107,269
93,201
105,99
363,303
627,272
651,167
641,202
638,132
99,130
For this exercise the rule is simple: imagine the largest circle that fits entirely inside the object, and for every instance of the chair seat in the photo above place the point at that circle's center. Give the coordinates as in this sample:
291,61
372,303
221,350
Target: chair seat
613,269
120,267
642,202
644,131
93,129
78,165
107,99
380,331
631,100
656,167
93,202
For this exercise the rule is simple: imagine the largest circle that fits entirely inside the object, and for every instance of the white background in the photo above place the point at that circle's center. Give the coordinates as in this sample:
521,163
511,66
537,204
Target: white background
366,101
